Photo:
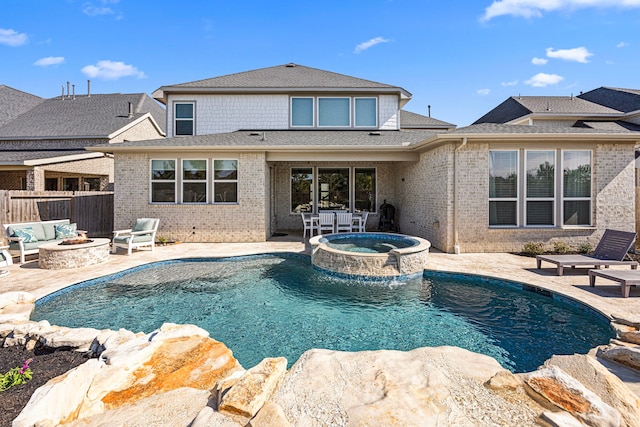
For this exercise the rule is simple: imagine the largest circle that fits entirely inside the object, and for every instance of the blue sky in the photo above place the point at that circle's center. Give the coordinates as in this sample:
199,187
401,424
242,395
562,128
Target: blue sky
461,57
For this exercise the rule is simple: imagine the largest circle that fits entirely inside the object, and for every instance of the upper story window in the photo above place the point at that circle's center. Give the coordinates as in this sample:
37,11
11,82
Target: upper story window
334,112
184,118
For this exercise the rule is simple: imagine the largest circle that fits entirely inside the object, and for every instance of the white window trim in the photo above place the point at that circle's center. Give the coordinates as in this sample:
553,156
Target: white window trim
553,199
175,119
562,198
313,112
511,199
313,188
353,195
214,180
354,112
183,181
175,181
317,115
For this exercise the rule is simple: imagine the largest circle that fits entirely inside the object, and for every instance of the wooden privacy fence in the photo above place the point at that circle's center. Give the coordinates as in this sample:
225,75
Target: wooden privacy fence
91,210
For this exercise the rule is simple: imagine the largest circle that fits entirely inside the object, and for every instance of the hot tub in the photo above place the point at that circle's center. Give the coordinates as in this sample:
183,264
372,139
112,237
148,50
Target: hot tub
370,255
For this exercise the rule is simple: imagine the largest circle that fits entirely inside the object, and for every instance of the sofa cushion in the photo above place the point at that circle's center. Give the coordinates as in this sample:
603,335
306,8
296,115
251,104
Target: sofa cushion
66,231
144,224
26,233
50,228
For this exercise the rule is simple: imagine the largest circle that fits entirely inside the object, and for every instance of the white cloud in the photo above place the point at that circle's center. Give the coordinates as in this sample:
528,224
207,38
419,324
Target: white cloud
512,83
102,8
112,70
483,92
536,8
622,44
578,54
50,60
370,43
12,37
539,61
543,80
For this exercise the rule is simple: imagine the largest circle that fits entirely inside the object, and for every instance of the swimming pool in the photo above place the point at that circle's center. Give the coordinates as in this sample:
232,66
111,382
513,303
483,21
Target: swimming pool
279,305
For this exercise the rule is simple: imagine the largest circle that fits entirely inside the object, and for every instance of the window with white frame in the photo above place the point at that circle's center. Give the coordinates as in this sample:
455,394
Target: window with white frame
334,112
366,112
503,188
576,187
225,181
540,188
194,181
163,181
302,112
301,190
184,118
333,189
544,204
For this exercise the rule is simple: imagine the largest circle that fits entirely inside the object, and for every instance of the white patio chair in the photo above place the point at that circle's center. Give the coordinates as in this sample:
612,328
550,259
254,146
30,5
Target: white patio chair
325,222
359,223
307,223
344,221
142,234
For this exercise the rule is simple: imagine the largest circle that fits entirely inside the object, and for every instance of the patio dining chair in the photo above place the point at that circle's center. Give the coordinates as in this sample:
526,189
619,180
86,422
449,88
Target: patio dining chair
344,221
359,223
325,222
307,224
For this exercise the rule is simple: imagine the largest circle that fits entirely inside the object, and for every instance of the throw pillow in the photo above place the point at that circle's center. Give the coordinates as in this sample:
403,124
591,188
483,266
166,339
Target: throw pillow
66,231
26,233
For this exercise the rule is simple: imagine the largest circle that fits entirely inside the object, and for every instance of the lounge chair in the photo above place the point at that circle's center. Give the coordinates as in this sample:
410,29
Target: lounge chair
611,250
142,234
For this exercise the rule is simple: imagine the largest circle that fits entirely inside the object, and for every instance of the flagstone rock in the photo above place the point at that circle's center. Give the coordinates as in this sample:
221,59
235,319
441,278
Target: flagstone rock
626,333
560,419
504,380
270,415
207,417
16,312
594,376
556,389
174,408
627,319
77,338
628,356
59,400
437,386
17,297
253,389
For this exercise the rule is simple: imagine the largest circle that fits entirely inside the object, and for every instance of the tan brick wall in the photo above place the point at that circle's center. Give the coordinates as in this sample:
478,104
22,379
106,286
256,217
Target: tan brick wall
242,222
425,195
285,220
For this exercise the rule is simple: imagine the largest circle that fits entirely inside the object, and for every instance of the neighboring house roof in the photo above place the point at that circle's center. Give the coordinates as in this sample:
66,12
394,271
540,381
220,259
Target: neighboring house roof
95,116
617,125
517,107
286,78
409,120
14,102
625,100
502,129
41,157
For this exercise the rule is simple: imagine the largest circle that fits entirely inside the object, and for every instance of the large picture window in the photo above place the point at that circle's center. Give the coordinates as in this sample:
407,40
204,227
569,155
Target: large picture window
184,118
338,112
503,188
540,200
334,112
576,187
301,112
194,181
366,112
301,190
163,181
225,181
365,190
333,185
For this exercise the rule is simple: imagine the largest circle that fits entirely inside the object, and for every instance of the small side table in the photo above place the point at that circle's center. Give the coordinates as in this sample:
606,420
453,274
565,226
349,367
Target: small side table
8,260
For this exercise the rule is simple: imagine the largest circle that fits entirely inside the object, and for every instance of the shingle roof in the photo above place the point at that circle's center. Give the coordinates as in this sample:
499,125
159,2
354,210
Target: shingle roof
625,100
516,107
617,125
285,138
499,128
14,102
85,116
414,120
286,77
13,157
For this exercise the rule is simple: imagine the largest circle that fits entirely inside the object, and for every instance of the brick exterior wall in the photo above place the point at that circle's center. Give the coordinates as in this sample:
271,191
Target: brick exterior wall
242,222
228,113
285,220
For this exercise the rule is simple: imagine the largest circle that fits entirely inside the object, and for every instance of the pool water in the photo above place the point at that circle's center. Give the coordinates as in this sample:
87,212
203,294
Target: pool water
372,245
279,305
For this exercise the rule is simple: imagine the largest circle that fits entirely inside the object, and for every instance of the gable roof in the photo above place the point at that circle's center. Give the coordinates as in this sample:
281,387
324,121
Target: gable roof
520,106
95,116
625,100
281,78
14,102
409,120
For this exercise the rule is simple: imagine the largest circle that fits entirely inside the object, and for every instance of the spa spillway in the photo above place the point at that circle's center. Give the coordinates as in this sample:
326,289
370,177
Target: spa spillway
370,255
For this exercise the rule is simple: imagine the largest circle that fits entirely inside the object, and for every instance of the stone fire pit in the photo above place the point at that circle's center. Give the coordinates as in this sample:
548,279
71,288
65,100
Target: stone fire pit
57,256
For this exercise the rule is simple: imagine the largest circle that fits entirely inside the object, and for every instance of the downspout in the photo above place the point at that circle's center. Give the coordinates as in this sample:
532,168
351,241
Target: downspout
456,244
